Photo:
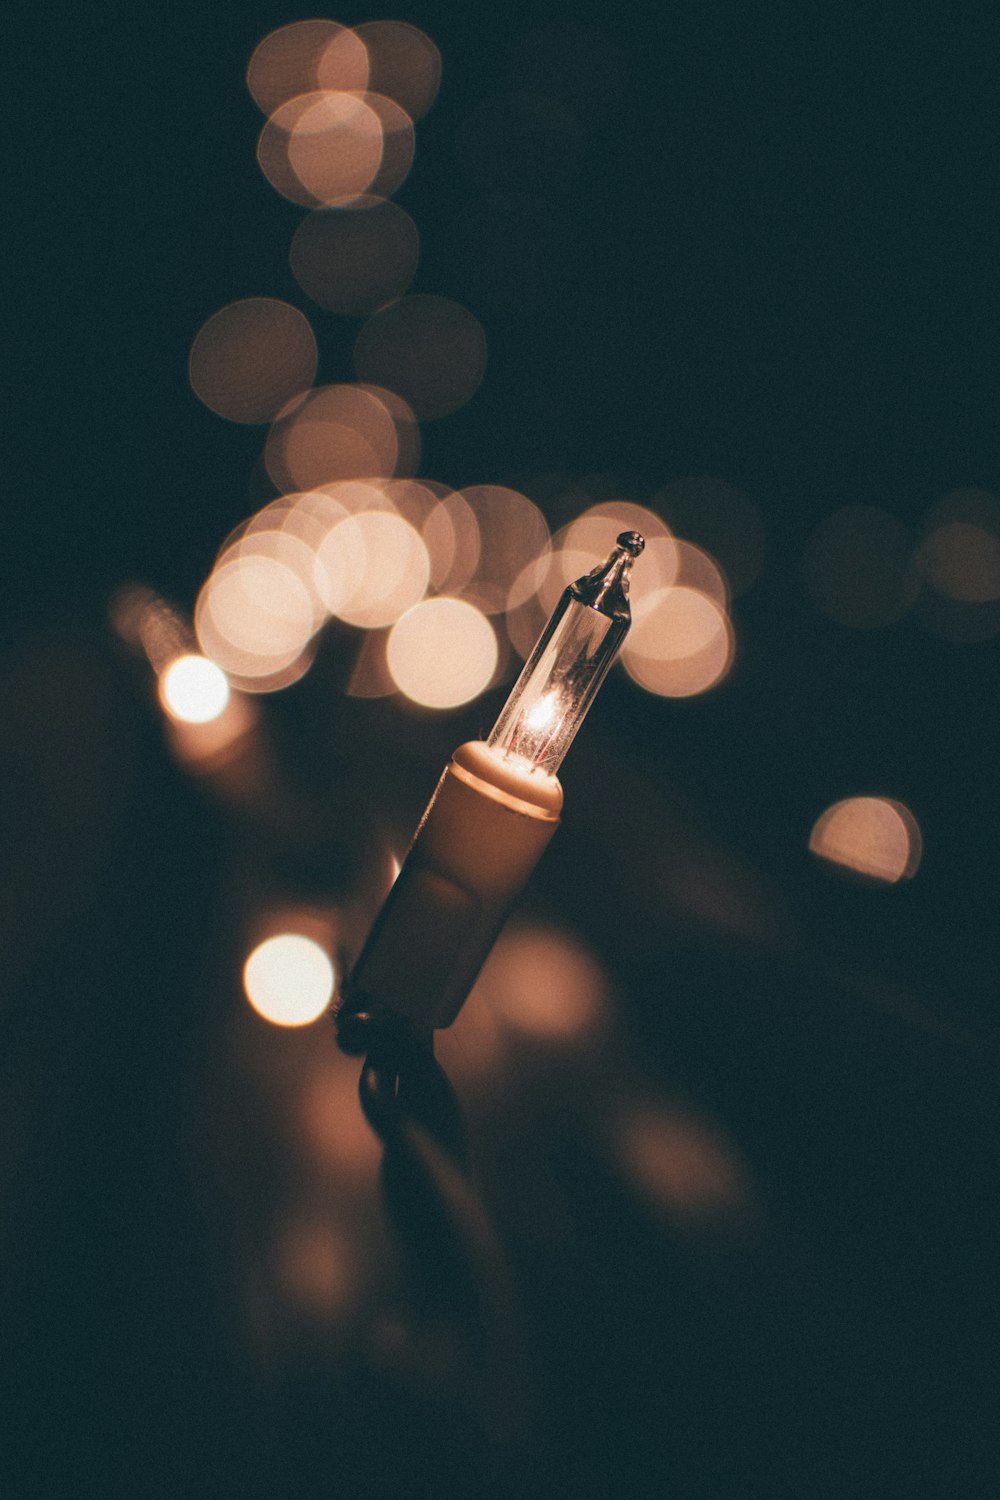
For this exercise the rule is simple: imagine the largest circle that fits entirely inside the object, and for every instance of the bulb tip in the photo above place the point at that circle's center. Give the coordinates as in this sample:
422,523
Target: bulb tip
632,541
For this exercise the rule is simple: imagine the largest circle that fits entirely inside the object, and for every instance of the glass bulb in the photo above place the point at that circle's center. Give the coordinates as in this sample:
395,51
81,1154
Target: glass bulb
572,656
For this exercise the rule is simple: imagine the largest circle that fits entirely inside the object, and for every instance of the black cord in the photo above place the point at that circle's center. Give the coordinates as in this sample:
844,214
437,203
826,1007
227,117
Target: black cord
457,1270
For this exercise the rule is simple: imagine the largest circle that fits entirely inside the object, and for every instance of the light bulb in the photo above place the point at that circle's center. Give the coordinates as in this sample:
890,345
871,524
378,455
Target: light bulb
560,679
492,815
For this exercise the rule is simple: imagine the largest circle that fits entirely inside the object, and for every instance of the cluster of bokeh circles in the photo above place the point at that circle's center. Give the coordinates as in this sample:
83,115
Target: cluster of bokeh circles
450,586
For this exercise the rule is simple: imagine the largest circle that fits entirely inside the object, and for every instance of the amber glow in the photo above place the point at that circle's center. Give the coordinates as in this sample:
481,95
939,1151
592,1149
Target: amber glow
874,835
442,653
512,532
681,643
322,148
289,979
398,144
316,1269
371,568
251,358
429,349
680,1163
962,561
194,689
305,56
544,984
405,64
451,532
337,432
355,260
254,617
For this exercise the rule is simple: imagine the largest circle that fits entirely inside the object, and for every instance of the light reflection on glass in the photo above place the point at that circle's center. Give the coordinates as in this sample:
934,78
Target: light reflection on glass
876,836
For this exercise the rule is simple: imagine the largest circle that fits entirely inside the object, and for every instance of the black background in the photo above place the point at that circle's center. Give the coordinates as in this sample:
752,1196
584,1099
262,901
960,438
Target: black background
769,255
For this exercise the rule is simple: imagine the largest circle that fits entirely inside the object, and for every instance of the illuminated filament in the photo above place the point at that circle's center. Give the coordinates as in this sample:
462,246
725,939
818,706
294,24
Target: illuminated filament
570,661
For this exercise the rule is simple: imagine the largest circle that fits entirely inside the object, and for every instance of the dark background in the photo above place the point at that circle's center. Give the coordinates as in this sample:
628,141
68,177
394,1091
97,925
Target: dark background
766,251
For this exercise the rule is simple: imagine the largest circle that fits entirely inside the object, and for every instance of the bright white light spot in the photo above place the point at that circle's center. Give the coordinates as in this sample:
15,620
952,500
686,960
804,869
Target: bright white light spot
289,979
443,652
542,713
194,690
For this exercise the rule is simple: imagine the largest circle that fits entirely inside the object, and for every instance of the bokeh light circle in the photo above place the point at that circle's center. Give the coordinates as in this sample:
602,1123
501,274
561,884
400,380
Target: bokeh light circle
354,260
429,349
681,643
876,836
194,689
289,979
251,358
404,64
322,148
302,57
442,653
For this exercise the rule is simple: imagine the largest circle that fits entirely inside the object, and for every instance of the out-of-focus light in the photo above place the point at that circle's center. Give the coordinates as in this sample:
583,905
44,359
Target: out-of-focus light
336,432
303,57
541,982
251,358
405,64
962,561
254,618
429,349
316,1269
370,676
398,145
680,1164
322,148
442,653
194,689
512,532
874,835
681,643
371,568
720,518
289,979
331,1123
859,567
451,532
355,260
586,542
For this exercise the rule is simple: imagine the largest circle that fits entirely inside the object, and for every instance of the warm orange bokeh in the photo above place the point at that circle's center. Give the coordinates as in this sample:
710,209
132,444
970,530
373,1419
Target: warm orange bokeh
337,432
442,653
680,644
305,56
405,64
429,349
355,260
876,836
251,358
512,533
194,689
322,148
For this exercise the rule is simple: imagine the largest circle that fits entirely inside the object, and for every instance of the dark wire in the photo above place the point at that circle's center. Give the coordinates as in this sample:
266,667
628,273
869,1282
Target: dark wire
442,1223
